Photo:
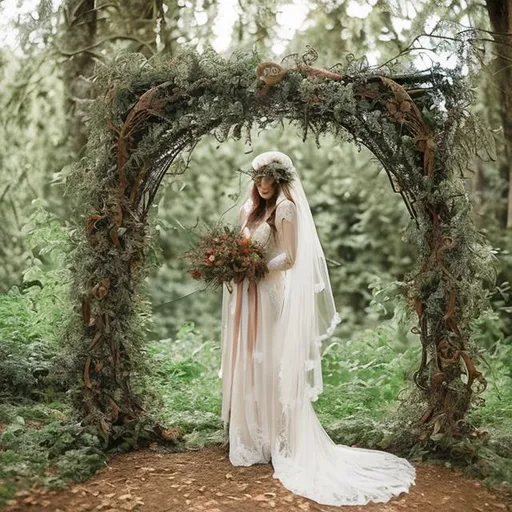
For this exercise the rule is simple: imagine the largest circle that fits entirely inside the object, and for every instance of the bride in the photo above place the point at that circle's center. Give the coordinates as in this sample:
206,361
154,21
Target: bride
271,355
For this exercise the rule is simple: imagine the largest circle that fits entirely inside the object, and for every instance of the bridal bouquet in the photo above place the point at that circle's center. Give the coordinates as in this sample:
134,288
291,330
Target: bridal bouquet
223,255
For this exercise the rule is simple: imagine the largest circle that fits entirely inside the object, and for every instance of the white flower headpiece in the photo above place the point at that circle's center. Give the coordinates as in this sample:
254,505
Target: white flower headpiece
273,164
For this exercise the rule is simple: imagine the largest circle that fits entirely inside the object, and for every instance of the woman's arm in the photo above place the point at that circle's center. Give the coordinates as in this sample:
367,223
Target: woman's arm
286,225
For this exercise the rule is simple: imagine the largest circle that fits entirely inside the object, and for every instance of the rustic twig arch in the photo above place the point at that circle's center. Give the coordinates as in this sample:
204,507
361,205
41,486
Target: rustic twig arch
418,127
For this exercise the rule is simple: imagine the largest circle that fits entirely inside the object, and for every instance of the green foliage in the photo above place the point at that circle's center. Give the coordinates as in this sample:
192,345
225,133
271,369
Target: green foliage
364,375
185,378
185,204
33,314
489,455
33,148
497,412
41,444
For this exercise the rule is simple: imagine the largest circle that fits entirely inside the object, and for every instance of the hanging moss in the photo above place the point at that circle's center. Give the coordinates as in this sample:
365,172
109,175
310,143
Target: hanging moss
148,112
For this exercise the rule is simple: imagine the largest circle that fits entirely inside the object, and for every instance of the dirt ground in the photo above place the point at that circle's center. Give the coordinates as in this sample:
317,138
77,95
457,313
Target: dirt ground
204,480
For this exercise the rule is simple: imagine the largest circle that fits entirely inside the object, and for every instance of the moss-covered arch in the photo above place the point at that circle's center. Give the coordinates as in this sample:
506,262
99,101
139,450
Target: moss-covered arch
418,127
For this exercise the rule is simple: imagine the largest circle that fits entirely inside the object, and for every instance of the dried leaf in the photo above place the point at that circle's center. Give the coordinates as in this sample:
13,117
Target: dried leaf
405,106
86,311
117,214
87,376
92,223
95,340
101,289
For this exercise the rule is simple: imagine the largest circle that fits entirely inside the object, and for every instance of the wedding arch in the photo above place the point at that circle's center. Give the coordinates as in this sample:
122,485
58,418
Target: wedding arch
417,125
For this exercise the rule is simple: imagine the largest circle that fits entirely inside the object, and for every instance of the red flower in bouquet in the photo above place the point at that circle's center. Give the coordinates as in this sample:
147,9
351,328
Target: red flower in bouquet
196,273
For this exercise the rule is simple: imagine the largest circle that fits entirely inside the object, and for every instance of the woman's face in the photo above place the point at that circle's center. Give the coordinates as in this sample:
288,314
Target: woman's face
266,186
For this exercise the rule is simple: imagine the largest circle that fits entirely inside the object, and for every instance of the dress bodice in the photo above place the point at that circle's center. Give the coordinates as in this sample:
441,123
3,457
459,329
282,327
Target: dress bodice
262,234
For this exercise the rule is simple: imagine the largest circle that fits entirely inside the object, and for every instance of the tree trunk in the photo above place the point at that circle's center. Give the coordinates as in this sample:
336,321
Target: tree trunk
81,24
500,15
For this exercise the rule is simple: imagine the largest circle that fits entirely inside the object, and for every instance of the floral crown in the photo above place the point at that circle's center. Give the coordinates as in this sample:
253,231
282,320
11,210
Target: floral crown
276,170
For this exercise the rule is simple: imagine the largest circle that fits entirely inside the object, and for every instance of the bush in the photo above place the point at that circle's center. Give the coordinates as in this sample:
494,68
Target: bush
42,444
32,315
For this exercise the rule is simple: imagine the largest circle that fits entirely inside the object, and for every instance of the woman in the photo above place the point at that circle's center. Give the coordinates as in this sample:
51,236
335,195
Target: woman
271,368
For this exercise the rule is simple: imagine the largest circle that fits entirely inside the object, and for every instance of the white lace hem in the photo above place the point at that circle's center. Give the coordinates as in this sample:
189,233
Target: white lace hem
336,319
344,479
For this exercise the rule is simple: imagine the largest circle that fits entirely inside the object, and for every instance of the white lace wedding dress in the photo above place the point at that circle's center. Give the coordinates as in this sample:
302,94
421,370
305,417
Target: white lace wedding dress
266,399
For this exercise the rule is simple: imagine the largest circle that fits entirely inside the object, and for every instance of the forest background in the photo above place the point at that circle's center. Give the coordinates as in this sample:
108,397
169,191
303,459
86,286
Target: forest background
49,57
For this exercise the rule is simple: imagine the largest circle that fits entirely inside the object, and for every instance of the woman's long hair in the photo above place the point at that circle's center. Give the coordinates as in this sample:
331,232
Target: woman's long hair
257,213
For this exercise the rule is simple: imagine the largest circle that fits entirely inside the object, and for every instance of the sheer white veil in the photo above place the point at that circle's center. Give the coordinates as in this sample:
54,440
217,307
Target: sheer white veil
309,313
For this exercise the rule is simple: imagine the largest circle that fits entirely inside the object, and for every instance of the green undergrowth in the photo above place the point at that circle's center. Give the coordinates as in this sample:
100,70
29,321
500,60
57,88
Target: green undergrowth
41,445
363,376
186,385
492,451
33,313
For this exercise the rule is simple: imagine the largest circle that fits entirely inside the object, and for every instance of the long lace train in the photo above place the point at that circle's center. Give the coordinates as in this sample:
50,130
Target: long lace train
337,475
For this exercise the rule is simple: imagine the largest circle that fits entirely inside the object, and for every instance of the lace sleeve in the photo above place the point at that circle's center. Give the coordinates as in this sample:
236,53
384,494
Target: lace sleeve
286,229
286,210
